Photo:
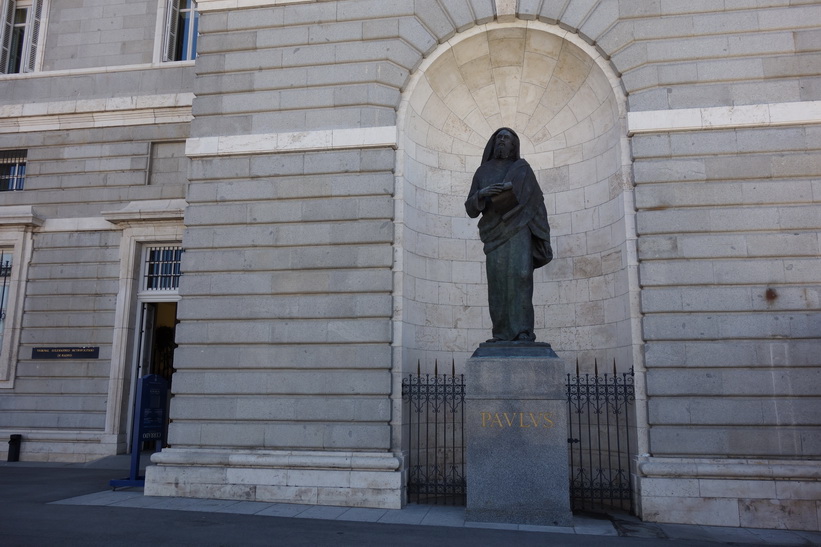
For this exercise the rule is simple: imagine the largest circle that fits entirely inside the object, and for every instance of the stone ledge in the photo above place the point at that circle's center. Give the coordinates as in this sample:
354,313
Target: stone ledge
60,435
724,117
152,210
19,215
348,479
292,459
779,494
729,468
219,5
512,350
734,510
63,446
300,141
95,113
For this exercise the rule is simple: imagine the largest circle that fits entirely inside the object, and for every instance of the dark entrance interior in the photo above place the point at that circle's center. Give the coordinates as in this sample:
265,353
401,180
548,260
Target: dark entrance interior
158,322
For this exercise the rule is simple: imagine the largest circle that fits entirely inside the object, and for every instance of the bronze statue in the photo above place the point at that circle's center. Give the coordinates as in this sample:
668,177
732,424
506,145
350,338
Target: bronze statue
515,233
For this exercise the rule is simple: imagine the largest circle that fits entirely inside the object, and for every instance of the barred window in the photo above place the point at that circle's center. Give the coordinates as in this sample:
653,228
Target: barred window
12,169
5,286
162,268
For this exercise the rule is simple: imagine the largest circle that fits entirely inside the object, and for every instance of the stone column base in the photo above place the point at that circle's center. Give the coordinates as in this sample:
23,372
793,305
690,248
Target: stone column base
348,479
516,437
749,493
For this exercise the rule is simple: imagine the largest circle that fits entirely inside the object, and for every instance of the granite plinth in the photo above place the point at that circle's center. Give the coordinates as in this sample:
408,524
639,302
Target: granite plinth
515,349
516,441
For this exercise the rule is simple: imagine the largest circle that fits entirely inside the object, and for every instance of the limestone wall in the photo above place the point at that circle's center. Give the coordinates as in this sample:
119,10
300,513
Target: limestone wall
729,246
86,33
727,238
70,300
286,304
64,407
95,170
329,151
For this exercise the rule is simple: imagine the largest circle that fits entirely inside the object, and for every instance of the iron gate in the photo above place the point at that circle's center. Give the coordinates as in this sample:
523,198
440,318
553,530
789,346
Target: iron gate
598,437
436,458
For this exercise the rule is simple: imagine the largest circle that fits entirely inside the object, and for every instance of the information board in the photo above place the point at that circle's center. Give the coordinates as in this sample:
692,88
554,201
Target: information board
149,423
90,352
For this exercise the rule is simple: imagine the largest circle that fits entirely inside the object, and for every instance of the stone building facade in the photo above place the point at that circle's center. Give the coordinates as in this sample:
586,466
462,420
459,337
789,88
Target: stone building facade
307,162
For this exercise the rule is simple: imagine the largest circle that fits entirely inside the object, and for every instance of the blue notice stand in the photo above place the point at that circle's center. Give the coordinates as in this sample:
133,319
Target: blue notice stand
149,424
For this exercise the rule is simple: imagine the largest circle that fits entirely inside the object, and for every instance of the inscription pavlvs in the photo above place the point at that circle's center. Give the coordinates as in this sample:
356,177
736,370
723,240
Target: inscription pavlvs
516,419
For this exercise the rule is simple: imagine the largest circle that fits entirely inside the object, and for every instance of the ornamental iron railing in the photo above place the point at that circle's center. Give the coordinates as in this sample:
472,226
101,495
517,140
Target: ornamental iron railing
436,435
599,437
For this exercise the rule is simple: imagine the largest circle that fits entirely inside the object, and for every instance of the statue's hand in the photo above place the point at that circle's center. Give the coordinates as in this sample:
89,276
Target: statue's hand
495,189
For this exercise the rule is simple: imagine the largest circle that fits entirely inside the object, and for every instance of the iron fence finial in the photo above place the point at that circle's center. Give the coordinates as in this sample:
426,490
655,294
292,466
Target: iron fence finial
599,438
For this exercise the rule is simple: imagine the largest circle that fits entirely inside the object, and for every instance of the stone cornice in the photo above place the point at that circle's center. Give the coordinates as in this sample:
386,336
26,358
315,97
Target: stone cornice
148,211
95,70
729,468
724,117
217,5
79,224
304,141
19,215
90,113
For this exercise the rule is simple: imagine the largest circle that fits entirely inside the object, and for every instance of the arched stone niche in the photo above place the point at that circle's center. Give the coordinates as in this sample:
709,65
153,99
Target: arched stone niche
551,89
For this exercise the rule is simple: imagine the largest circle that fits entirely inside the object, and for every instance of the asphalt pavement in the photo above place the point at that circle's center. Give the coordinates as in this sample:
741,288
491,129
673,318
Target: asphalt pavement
72,504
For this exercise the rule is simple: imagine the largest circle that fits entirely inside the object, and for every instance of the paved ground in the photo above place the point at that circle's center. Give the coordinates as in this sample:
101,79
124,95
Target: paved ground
62,504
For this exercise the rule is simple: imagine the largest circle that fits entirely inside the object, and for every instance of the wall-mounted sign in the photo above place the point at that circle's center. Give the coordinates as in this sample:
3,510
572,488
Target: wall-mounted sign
66,353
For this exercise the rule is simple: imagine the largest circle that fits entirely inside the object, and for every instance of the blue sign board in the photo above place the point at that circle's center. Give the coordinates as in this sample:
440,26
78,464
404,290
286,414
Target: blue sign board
149,423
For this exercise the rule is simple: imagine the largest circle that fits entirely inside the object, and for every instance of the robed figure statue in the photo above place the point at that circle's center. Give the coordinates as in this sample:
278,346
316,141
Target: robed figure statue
514,231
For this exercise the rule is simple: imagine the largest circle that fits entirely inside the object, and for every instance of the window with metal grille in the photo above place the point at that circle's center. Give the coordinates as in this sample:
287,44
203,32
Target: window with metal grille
162,268
5,287
12,169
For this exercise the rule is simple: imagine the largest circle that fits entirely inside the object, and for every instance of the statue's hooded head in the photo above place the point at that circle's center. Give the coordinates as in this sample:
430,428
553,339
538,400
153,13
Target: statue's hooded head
490,147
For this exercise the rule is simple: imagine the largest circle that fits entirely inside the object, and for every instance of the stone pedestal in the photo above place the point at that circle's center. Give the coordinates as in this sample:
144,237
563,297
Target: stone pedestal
516,436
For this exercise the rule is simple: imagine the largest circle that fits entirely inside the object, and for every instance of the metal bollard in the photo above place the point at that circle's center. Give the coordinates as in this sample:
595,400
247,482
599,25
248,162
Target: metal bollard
14,448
